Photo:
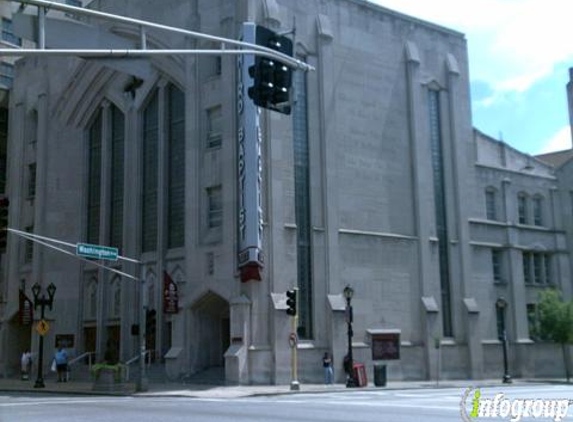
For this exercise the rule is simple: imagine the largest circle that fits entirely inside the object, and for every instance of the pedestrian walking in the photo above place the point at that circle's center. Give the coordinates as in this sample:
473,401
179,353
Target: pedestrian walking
327,364
61,359
26,364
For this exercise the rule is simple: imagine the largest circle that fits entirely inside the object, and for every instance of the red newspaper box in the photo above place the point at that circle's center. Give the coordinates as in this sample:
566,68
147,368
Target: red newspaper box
360,375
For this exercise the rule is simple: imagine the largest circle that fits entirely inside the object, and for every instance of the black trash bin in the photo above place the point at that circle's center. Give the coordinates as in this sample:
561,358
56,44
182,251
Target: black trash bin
379,375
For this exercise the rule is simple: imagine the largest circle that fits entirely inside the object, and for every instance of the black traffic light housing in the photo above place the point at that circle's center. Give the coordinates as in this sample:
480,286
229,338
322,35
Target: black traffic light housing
292,302
4,204
272,79
150,322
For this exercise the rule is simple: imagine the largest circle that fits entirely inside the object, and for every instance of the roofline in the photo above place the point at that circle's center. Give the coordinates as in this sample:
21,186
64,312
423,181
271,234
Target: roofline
506,145
379,8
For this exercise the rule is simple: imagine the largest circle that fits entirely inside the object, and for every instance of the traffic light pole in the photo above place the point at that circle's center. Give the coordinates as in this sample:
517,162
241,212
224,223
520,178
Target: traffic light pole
142,383
294,384
293,339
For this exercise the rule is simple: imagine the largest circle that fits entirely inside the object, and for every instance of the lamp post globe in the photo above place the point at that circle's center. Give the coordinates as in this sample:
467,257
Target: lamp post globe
348,293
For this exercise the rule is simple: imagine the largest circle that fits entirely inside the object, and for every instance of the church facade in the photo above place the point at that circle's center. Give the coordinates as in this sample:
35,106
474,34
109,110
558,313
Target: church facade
376,180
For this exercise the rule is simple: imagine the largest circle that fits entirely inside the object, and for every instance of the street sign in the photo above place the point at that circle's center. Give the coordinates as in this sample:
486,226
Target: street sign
96,251
43,327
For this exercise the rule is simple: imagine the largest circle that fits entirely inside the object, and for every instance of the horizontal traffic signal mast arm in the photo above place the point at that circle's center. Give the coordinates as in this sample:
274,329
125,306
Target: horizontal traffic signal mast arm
114,52
249,48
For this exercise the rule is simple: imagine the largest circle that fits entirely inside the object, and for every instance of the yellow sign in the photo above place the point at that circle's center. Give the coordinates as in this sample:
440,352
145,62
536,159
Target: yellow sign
43,327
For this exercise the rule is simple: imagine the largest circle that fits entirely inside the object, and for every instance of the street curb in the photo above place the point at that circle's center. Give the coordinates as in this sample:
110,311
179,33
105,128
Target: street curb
343,390
182,393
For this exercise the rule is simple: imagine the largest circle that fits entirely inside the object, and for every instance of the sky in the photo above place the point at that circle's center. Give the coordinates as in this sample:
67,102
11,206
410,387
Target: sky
519,55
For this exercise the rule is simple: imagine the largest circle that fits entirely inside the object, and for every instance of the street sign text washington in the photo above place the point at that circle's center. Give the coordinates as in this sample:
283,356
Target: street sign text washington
96,251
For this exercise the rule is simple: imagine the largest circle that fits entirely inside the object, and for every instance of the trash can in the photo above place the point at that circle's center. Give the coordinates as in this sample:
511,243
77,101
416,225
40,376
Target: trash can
379,375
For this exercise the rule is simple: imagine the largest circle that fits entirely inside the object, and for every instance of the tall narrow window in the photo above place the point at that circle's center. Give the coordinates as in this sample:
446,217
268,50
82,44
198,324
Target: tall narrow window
214,127
490,204
496,265
150,174
537,211
3,146
31,180
215,207
94,180
522,208
527,276
547,266
117,179
537,268
440,208
8,32
29,248
176,168
6,74
532,321
302,204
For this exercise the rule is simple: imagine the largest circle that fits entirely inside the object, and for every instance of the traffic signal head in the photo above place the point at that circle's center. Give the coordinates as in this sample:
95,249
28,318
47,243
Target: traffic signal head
292,302
272,79
4,204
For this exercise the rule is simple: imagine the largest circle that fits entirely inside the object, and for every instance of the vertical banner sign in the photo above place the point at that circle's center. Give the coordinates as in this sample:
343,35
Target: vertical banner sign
26,309
170,295
250,165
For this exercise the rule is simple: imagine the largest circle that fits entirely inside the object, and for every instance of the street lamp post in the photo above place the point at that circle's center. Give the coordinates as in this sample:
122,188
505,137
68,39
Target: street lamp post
348,293
501,306
42,302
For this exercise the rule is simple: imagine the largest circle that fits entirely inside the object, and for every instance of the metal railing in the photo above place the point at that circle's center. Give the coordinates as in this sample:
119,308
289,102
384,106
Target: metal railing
146,356
89,355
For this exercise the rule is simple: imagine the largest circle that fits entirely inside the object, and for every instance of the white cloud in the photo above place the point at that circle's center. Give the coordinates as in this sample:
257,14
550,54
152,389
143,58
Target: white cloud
558,142
512,43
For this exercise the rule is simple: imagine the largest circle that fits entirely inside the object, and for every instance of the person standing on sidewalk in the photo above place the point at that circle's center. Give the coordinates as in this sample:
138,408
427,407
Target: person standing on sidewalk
327,364
61,359
26,364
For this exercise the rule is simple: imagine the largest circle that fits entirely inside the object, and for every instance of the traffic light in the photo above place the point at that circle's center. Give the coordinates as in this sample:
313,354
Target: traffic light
4,204
291,301
272,79
150,322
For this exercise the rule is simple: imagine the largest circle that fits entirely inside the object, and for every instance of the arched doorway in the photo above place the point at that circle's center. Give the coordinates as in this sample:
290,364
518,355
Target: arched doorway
211,331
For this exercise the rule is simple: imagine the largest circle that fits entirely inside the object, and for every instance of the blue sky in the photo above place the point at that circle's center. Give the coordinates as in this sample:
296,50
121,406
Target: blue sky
520,52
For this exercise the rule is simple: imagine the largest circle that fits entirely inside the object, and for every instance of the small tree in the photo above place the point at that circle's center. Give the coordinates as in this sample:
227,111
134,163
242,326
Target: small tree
556,321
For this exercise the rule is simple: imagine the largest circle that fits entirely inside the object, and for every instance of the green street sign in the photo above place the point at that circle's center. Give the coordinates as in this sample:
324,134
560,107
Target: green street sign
96,251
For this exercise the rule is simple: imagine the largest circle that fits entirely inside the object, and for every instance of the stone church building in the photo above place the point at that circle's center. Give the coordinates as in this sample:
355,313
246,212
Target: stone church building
376,180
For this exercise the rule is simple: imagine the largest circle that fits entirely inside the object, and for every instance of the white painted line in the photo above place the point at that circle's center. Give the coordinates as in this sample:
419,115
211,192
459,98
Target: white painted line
68,401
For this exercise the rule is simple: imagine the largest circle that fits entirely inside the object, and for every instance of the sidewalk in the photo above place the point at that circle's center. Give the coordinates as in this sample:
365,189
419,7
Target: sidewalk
209,391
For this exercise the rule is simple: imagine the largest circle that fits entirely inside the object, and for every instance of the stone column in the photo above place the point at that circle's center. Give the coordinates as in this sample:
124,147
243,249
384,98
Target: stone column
103,275
431,330
421,172
236,357
338,335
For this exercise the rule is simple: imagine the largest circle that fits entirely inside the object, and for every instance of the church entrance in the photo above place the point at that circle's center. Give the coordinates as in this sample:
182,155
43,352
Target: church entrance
211,331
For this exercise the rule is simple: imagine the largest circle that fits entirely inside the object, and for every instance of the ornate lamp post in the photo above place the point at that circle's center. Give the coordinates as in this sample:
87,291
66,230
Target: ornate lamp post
42,302
348,293
501,306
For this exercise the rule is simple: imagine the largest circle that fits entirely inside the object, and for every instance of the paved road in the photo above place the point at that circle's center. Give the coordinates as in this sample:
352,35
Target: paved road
398,405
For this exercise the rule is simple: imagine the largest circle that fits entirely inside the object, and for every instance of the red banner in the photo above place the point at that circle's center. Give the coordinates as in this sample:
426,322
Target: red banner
170,295
26,309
